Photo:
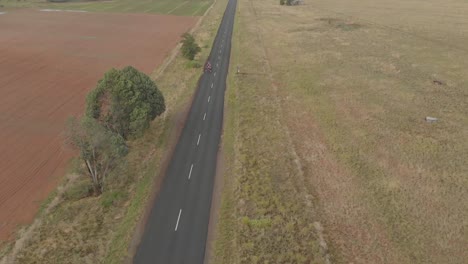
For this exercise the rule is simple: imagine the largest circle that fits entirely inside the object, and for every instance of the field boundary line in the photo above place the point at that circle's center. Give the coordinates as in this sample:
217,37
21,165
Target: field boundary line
178,6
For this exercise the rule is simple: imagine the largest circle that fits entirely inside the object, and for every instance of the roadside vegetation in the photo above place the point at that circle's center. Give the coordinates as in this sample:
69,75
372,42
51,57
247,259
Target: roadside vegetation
352,84
266,216
85,228
120,107
190,49
125,102
170,7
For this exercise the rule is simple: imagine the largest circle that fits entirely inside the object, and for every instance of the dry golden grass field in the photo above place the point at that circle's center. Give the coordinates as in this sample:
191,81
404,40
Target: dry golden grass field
326,124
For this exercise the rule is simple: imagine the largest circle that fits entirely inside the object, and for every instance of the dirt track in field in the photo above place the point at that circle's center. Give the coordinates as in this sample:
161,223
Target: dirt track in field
48,62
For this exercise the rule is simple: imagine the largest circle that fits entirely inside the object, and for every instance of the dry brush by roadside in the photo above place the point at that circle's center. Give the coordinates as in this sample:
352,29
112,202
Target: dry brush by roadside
266,215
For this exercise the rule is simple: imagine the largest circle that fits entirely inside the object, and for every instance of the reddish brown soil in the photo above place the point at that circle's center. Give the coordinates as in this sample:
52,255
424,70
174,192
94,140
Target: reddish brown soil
48,62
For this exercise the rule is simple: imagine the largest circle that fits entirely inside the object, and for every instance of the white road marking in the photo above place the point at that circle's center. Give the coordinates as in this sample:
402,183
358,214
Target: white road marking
204,116
209,98
178,218
215,74
211,85
190,173
219,57
198,141
217,64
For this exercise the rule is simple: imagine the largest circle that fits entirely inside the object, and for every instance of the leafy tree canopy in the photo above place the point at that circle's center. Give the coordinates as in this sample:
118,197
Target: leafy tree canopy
125,101
189,47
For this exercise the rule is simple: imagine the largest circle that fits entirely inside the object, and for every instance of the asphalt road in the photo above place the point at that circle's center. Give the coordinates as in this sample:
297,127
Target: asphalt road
177,227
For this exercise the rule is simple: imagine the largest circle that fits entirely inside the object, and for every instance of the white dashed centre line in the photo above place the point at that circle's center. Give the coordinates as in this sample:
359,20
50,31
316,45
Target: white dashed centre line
204,116
178,218
211,85
190,173
198,141
215,74
209,98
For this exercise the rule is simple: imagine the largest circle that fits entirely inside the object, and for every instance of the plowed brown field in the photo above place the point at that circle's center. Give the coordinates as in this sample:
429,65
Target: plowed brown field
48,62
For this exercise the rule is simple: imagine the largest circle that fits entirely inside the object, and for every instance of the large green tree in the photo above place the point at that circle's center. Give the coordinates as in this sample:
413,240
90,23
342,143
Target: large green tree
125,101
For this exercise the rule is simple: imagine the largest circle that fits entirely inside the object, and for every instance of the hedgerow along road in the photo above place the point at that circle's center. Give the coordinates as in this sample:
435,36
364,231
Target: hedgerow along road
177,227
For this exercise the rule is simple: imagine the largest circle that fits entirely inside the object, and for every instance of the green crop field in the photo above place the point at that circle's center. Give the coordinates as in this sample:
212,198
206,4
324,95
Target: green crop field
172,7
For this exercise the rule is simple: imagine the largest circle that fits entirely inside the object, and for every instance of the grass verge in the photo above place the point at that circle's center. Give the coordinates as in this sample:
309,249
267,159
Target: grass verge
265,216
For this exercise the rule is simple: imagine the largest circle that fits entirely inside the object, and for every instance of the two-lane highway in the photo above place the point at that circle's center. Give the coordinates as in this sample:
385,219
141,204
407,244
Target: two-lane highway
177,227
